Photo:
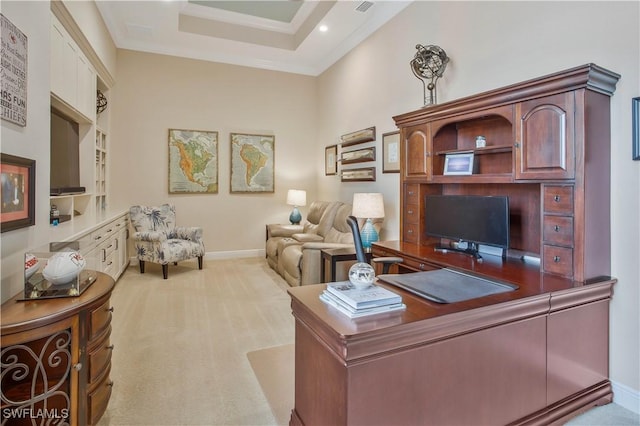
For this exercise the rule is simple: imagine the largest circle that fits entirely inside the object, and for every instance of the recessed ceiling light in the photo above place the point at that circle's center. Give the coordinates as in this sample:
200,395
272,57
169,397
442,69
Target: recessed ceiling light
323,28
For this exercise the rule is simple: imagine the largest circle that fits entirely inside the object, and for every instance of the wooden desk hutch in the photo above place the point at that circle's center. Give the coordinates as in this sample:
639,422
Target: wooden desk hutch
537,355
548,150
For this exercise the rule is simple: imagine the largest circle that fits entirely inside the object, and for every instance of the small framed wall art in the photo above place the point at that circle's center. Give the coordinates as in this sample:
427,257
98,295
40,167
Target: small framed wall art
358,155
193,161
18,179
359,175
331,160
252,163
458,164
359,136
391,152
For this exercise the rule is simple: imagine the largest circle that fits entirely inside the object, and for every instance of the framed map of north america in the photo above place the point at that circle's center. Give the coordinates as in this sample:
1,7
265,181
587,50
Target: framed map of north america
193,161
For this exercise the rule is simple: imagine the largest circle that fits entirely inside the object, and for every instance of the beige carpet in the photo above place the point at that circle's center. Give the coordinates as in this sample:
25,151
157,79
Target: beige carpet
182,345
215,347
272,367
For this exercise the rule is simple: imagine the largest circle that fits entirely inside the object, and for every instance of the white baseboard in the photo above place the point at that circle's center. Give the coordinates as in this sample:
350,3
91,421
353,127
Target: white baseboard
213,255
234,254
626,397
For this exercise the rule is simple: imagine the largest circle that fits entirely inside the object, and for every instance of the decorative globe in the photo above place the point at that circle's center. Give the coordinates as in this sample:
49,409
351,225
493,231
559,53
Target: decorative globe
361,275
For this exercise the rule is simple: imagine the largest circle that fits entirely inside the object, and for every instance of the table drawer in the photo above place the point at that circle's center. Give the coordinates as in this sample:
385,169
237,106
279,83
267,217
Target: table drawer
557,260
418,265
558,199
558,230
98,400
99,359
100,320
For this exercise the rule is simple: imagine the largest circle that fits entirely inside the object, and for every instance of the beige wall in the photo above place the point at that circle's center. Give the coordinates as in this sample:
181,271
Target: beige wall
155,93
31,141
493,44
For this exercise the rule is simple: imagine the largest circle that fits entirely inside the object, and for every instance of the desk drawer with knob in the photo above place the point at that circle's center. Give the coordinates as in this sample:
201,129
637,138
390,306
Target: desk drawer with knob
411,213
558,229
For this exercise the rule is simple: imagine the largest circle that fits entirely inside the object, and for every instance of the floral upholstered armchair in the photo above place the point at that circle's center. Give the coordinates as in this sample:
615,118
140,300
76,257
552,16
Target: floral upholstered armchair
157,239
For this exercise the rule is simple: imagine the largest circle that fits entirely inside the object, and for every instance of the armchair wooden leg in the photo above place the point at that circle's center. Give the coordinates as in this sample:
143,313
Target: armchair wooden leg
199,262
141,266
165,270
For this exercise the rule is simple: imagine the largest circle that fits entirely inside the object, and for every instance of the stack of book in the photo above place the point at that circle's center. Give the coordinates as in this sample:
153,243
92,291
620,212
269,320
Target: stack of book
359,303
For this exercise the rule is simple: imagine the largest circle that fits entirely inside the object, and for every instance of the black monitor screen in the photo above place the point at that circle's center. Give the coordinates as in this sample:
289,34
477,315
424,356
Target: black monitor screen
471,218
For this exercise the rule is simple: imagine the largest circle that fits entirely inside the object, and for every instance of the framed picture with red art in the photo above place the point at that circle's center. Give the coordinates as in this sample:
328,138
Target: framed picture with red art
17,191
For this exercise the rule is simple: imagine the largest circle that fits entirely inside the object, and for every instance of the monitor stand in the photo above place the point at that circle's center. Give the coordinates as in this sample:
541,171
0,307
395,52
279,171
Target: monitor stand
471,250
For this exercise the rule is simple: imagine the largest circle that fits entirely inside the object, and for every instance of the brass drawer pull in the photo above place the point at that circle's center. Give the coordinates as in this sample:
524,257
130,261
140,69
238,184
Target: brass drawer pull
556,259
556,198
556,228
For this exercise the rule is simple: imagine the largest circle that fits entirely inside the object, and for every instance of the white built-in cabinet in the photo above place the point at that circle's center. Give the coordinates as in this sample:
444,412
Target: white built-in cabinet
110,248
74,85
73,79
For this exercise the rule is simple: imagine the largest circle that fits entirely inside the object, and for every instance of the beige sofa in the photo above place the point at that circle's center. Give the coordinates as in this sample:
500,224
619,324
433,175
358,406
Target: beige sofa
296,256
318,222
301,263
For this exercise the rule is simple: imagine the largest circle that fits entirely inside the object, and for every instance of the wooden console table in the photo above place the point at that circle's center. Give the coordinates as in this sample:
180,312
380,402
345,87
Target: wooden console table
56,357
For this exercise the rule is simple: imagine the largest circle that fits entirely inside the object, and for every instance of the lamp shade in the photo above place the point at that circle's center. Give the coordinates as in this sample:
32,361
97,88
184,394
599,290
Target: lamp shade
368,205
297,197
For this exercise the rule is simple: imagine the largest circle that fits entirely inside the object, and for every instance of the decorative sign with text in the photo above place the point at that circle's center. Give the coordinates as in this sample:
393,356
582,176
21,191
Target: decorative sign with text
13,82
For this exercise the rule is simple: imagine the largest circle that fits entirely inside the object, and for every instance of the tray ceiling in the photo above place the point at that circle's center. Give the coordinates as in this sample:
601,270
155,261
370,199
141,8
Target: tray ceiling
280,35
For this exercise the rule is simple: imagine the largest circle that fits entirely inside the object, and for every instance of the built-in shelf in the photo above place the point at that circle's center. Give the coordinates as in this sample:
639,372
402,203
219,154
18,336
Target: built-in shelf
101,169
496,149
71,205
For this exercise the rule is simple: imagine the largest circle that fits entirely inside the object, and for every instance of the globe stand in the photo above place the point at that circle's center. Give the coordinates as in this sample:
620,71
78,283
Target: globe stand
428,65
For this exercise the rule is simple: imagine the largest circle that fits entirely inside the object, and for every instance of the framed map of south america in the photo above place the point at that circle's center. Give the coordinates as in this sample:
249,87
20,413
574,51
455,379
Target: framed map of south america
252,163
193,161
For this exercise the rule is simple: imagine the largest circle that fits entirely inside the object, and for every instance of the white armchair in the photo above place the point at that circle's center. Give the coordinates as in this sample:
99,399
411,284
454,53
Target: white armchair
157,239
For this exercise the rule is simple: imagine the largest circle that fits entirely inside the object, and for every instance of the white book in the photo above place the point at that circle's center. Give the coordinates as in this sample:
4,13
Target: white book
330,300
366,298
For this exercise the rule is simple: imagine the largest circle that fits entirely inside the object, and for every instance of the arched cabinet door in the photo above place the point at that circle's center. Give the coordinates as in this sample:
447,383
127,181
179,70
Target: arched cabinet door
416,152
545,148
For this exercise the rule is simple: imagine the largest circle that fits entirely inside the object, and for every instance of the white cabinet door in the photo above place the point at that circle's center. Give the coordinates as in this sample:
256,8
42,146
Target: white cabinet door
86,87
64,66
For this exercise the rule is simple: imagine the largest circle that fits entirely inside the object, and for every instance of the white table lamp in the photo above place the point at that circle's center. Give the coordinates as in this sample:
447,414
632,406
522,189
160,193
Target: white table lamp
296,198
368,206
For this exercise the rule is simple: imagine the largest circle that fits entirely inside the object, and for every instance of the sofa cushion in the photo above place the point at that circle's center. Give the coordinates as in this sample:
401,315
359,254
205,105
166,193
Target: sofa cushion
340,231
317,209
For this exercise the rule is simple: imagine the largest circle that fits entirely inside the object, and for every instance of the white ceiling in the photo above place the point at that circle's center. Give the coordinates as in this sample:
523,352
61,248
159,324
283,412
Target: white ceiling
280,35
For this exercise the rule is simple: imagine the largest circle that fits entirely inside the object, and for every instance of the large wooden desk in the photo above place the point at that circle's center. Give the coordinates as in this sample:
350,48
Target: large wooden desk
537,355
